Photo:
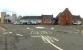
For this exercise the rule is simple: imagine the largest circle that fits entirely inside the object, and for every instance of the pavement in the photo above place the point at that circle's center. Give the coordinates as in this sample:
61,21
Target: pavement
42,37
2,29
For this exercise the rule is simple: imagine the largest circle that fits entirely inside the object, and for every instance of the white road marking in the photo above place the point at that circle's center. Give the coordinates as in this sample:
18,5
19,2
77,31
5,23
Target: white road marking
7,33
45,41
51,43
50,38
19,34
40,27
10,32
27,28
52,28
35,36
44,32
55,39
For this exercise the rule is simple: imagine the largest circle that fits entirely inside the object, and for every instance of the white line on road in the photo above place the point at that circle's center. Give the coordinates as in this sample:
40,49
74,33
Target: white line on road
50,38
45,41
45,32
40,27
52,28
55,46
19,34
51,43
10,32
27,28
35,36
55,39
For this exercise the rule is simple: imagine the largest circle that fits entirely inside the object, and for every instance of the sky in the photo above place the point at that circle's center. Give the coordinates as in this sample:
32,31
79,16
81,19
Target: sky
39,7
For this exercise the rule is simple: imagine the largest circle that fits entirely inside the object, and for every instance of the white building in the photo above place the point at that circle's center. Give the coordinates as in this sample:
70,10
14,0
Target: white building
31,20
14,18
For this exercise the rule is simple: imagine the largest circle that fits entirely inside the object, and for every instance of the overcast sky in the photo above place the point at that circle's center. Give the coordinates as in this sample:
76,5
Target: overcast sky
38,7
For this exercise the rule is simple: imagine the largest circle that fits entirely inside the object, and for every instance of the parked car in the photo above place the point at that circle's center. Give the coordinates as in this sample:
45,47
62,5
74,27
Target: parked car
77,23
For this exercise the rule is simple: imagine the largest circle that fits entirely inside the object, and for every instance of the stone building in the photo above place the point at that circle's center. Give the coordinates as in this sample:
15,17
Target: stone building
2,19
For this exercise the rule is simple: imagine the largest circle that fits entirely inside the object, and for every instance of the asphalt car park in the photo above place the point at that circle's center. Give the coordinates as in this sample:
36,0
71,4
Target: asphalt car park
41,37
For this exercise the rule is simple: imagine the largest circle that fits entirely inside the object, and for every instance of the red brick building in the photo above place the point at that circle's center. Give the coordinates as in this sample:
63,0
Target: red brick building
47,19
65,17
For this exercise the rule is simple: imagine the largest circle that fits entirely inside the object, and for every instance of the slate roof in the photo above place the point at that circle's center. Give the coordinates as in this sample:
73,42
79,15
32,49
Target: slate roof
37,17
59,15
62,13
31,17
47,16
77,17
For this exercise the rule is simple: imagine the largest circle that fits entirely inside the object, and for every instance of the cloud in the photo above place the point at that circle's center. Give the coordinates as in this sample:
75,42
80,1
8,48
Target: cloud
37,7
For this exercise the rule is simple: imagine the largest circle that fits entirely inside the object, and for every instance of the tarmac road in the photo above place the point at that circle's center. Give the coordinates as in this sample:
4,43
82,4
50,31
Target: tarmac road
48,38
